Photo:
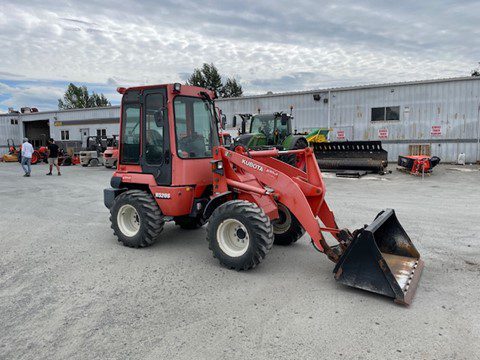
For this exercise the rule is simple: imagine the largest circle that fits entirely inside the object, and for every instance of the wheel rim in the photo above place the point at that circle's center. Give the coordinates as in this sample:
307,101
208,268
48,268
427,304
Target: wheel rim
283,223
233,238
128,220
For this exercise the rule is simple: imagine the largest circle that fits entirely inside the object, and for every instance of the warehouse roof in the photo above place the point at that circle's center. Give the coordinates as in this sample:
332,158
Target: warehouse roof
62,111
356,87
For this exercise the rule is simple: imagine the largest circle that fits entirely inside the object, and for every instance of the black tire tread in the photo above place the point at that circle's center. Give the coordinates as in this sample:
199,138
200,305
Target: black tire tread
291,236
153,216
260,225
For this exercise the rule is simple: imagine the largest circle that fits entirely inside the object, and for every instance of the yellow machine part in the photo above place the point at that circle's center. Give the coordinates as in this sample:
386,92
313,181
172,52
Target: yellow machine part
10,158
318,136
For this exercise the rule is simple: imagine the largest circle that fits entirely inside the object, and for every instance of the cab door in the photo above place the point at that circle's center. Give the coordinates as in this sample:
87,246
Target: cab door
156,156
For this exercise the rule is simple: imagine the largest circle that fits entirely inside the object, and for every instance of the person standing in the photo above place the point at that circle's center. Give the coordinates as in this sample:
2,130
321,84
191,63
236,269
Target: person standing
53,156
27,152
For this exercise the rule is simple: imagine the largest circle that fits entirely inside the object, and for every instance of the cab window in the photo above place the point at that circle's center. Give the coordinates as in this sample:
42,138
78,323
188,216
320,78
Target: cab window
154,133
130,134
193,127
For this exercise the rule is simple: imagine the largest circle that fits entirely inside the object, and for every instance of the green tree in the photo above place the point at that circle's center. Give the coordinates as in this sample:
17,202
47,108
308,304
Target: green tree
197,79
77,97
208,77
231,89
98,100
476,72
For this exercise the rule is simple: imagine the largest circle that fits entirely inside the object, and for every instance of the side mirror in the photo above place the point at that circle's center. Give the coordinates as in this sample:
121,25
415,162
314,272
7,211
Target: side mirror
224,121
234,121
284,119
158,117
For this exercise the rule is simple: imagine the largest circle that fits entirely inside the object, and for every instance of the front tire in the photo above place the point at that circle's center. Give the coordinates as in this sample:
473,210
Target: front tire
136,219
286,229
93,162
239,234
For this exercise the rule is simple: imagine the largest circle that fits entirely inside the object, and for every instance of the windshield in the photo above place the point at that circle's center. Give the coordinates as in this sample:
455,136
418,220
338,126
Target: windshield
262,124
194,127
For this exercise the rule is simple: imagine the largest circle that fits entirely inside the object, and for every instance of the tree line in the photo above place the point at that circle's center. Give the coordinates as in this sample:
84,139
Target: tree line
208,76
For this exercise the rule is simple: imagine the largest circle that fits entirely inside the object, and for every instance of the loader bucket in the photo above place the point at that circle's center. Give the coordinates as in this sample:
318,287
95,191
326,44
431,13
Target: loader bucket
381,258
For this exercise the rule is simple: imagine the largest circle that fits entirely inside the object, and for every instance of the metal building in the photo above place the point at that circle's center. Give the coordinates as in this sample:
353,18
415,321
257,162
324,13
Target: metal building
442,114
68,127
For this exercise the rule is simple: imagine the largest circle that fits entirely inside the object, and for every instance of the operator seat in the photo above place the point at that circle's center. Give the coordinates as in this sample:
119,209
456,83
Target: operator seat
193,145
154,147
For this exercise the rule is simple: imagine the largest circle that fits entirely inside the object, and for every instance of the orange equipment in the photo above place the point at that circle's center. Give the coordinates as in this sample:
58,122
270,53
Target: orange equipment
13,152
172,166
418,164
110,155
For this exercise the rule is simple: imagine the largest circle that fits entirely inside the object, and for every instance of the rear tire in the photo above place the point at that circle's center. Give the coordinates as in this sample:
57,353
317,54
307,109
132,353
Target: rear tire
291,159
189,223
301,143
239,234
136,219
286,228
93,162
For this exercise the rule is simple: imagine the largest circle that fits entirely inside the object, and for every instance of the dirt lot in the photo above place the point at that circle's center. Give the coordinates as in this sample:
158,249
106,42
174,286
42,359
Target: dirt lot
68,289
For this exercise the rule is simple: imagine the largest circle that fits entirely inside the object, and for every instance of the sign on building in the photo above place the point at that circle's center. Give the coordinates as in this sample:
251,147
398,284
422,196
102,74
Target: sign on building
436,130
340,134
383,133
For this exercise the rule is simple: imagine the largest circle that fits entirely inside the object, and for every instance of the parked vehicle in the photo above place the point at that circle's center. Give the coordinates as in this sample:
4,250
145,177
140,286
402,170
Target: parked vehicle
172,167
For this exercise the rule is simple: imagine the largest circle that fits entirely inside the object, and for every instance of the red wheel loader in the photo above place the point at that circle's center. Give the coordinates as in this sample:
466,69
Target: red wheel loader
171,167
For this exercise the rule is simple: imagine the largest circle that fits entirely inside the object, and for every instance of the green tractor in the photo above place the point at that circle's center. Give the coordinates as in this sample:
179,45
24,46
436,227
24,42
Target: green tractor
267,131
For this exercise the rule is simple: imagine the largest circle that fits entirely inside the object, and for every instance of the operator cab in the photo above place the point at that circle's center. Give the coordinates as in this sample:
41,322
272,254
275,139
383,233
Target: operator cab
273,126
264,129
164,124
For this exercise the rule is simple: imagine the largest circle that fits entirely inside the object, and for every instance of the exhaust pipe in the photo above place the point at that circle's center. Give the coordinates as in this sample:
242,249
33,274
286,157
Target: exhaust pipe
382,259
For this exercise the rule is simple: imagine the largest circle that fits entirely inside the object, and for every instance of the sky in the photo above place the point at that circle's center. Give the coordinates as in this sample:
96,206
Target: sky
267,45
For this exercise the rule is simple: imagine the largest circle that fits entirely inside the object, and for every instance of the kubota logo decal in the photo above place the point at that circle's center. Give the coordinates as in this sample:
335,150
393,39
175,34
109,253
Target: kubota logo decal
162,195
252,165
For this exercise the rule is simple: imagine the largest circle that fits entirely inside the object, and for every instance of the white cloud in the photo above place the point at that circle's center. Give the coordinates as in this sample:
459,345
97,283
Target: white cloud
272,45
29,95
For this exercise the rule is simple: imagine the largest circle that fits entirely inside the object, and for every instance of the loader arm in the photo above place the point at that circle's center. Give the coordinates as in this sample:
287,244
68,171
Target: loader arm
379,257
259,177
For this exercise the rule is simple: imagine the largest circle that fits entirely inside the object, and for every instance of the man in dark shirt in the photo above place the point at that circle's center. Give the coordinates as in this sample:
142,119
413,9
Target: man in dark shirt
53,156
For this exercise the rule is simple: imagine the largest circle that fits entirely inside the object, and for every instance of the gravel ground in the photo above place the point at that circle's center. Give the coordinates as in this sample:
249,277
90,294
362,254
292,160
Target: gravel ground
68,289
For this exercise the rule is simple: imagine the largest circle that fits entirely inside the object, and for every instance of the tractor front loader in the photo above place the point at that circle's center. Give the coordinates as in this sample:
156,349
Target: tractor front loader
172,167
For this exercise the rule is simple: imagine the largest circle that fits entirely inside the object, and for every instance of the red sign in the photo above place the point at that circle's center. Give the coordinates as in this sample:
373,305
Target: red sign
383,133
436,130
340,135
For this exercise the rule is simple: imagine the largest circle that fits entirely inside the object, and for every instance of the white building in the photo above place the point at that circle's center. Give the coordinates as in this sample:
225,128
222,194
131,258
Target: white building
68,127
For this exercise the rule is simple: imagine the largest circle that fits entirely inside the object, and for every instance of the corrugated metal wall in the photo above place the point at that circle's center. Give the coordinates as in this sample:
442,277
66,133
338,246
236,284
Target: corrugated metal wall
452,105
9,131
71,120
101,114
